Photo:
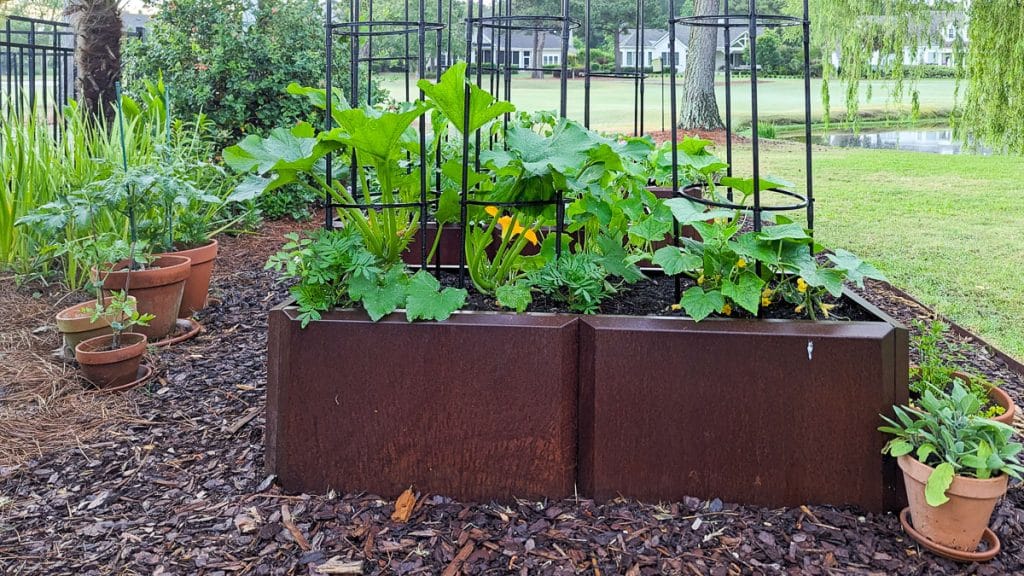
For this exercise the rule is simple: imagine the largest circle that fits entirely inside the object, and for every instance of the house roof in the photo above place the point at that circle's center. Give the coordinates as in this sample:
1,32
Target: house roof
523,39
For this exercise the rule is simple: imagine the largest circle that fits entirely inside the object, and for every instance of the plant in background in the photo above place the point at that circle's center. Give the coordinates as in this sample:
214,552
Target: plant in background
937,372
949,437
229,59
334,268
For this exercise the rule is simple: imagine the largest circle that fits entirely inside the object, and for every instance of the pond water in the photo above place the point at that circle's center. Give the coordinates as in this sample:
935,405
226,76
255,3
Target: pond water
935,139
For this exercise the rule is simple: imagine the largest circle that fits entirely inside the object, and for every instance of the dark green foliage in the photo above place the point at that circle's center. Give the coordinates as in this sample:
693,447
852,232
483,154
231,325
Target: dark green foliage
578,280
291,201
233,72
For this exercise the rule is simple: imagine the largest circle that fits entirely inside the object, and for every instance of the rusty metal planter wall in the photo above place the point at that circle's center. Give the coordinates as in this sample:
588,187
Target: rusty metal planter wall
776,413
479,407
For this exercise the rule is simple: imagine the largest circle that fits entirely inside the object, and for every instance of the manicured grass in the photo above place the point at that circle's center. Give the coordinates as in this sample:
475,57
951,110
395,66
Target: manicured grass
947,229
780,101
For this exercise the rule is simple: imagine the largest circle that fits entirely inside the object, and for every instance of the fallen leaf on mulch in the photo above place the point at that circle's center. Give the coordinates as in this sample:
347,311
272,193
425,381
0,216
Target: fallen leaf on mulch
403,506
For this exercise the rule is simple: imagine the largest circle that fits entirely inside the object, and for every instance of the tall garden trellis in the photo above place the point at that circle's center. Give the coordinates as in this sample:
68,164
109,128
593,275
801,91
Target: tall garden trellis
489,34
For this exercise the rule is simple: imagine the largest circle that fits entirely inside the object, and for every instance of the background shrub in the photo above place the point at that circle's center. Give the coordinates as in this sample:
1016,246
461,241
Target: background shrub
232,59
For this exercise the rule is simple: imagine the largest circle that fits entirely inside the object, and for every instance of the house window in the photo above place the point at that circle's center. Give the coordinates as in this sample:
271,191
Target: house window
550,59
526,59
629,58
951,32
515,58
650,58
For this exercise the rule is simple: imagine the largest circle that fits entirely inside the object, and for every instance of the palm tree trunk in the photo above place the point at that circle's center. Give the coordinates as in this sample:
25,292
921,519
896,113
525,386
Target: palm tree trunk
97,25
699,107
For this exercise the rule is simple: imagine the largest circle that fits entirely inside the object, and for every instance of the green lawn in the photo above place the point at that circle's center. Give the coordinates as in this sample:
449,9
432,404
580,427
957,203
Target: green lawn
947,229
780,101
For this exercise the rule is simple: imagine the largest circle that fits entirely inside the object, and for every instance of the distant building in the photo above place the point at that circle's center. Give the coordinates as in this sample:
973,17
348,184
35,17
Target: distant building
945,29
655,44
520,48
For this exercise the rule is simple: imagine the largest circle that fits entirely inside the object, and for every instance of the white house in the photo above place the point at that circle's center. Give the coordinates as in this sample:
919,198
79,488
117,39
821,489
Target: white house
520,49
654,43
946,29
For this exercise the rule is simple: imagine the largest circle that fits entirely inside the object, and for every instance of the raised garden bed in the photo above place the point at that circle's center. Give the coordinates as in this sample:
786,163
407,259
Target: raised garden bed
772,412
359,406
667,407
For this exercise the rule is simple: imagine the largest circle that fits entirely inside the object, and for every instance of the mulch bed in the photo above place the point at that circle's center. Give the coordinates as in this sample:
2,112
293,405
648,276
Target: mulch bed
180,488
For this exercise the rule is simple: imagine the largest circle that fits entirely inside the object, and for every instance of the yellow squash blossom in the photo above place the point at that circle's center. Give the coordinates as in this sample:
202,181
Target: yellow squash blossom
727,309
741,263
826,308
799,309
505,221
765,301
801,285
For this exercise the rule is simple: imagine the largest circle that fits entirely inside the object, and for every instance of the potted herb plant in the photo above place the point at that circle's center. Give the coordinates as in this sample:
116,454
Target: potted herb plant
956,466
193,197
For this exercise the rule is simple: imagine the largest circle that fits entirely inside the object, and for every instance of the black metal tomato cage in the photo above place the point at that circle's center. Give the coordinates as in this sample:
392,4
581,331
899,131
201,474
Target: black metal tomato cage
499,26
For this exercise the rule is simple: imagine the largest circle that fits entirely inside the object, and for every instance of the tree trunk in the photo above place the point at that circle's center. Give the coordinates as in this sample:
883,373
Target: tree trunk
699,107
97,25
538,59
618,47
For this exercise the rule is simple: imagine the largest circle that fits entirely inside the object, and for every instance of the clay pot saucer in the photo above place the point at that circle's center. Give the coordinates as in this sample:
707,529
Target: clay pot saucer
989,538
144,373
184,329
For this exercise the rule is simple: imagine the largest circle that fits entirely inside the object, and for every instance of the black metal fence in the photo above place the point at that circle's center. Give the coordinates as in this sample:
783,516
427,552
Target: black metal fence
37,63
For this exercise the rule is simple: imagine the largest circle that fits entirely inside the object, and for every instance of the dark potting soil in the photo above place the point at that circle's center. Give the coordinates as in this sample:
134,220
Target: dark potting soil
183,490
655,296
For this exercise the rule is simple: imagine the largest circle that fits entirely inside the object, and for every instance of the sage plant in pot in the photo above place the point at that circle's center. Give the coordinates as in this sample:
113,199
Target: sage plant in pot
113,360
956,466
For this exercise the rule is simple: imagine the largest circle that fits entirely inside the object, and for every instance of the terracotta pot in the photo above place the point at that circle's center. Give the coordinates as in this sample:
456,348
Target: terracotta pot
157,289
959,523
77,326
197,287
997,396
108,368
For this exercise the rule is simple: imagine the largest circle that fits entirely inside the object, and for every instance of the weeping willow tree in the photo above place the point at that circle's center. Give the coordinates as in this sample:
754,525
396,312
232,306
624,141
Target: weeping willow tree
993,73
872,39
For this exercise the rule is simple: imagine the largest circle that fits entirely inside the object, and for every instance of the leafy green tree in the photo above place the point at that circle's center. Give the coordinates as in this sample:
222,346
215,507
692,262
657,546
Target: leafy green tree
232,59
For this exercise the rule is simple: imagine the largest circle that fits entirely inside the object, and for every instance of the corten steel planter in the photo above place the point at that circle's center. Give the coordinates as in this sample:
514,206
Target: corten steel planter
481,406
775,413
157,290
197,287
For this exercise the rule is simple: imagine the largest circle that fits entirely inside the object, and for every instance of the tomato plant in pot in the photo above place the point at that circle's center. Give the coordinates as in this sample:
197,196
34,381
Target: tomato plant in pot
956,465
195,199
113,360
938,370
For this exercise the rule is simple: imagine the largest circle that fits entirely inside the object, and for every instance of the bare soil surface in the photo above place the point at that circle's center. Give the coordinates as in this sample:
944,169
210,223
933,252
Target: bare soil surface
177,485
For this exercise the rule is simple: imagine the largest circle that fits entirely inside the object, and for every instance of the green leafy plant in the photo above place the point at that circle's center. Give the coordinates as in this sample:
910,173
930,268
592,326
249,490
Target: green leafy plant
121,312
936,370
578,280
334,268
754,269
949,436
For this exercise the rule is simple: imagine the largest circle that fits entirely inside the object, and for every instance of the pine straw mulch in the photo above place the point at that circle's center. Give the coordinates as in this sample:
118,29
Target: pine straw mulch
44,407
181,489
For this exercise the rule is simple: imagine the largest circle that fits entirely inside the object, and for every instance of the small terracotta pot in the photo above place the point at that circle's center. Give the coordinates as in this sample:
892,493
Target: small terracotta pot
107,368
77,326
197,287
157,289
959,523
997,396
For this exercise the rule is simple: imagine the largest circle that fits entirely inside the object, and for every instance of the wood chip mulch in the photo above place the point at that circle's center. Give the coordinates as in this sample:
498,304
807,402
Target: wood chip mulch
181,489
